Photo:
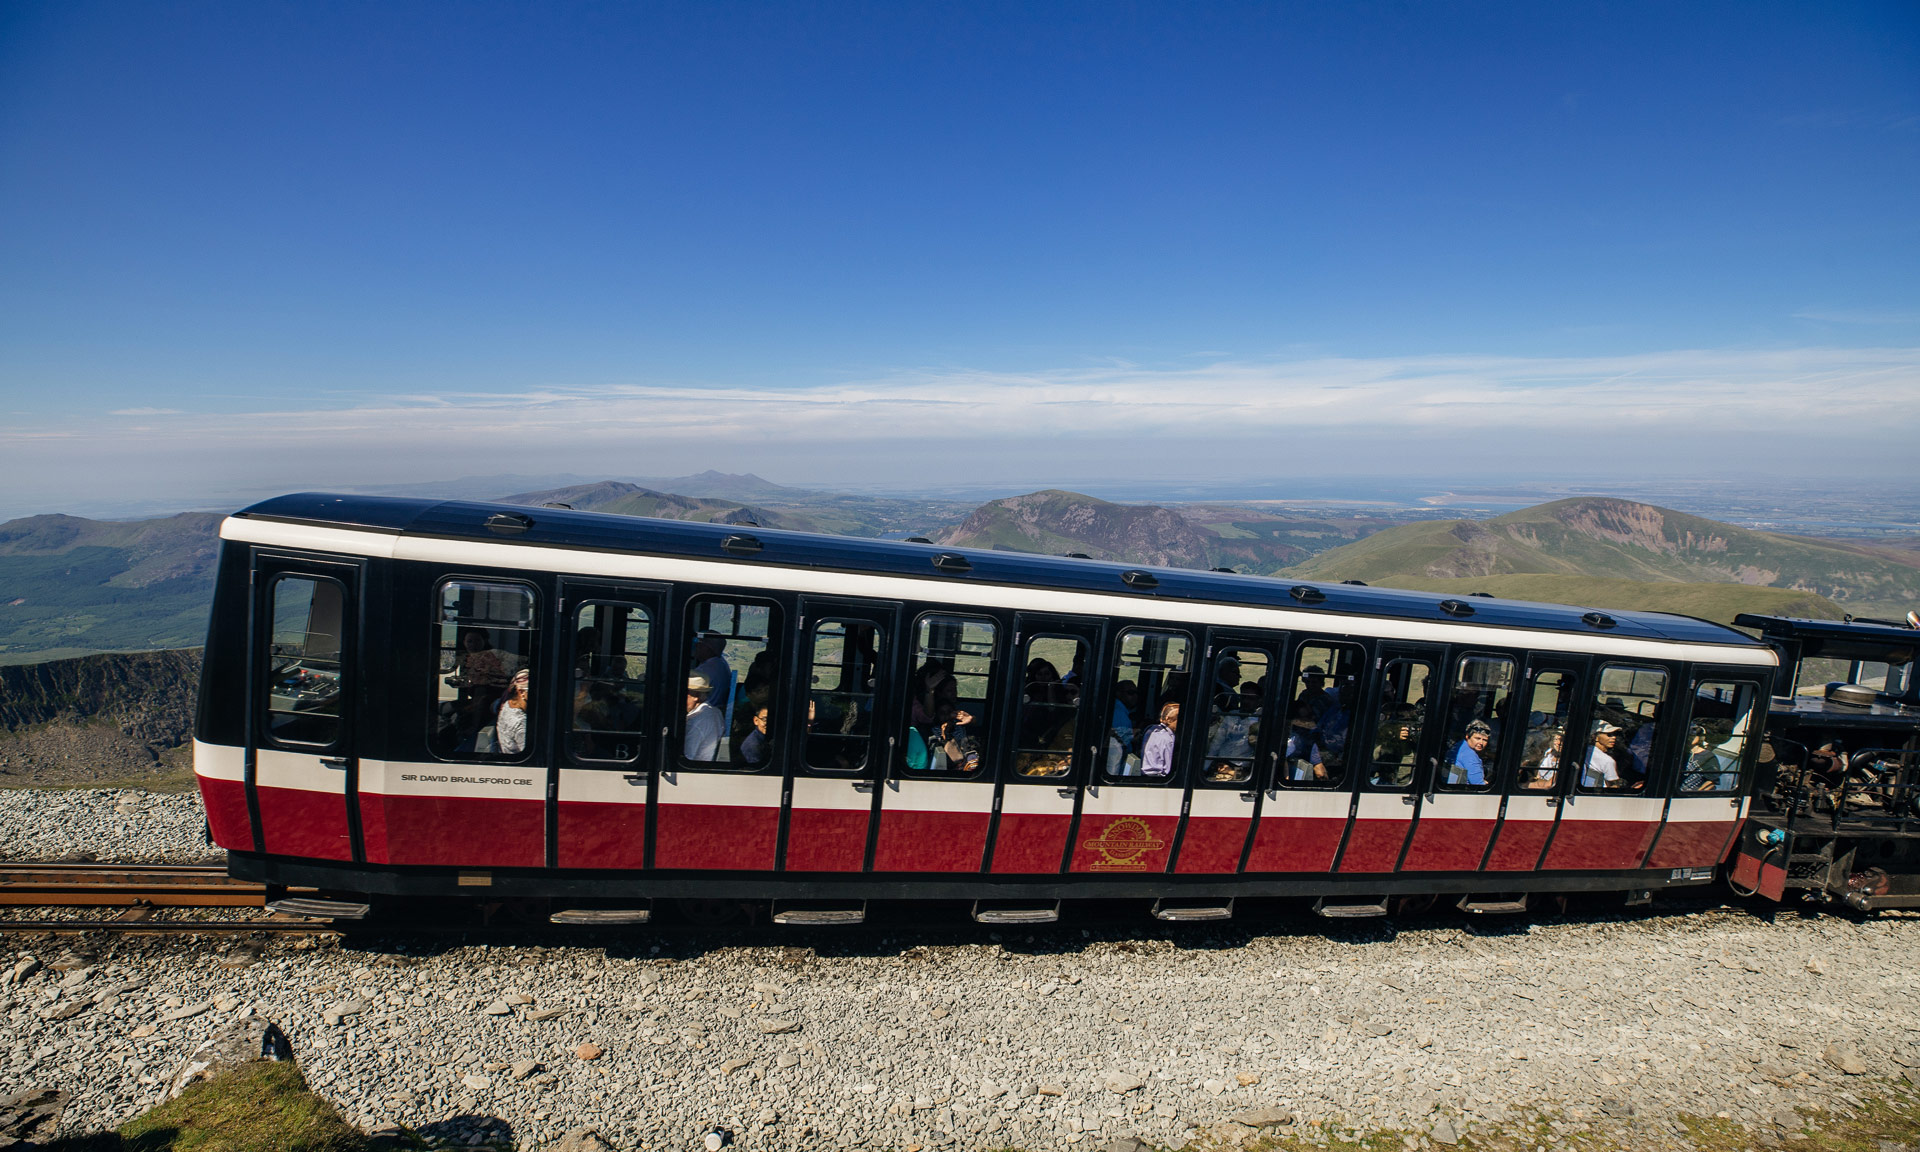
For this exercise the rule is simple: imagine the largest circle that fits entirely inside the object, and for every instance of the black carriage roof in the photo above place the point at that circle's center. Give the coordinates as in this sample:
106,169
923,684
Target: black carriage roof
567,528
1863,631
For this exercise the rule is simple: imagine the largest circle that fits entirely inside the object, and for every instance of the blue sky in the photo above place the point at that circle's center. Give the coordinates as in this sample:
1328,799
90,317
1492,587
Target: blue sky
896,242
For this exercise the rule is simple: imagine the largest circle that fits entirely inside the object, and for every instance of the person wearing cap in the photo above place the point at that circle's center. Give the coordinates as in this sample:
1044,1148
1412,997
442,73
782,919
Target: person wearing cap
704,722
1467,766
1601,771
710,663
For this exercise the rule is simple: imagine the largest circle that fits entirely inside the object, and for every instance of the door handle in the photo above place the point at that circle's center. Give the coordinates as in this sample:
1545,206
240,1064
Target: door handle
1553,801
337,763
1409,799
1065,793
863,786
1249,797
636,779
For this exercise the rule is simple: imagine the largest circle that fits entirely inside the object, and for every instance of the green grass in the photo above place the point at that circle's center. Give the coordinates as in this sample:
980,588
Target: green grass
257,1107
1720,602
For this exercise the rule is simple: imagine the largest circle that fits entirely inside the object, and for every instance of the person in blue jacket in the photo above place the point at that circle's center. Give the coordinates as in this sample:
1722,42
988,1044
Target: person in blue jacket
1466,766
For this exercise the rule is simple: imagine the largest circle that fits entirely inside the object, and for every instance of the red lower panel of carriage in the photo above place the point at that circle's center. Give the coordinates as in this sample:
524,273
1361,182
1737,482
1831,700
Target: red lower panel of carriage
1124,842
1441,845
827,840
1518,845
1212,845
1374,845
1691,844
602,835
1030,843
736,838
1587,844
296,822
227,819
1296,844
453,831
933,842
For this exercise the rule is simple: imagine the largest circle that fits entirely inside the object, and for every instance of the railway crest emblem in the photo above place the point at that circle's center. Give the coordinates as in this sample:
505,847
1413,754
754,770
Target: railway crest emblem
1122,844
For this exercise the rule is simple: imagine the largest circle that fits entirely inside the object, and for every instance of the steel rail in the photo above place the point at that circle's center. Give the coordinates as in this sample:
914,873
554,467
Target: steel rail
127,886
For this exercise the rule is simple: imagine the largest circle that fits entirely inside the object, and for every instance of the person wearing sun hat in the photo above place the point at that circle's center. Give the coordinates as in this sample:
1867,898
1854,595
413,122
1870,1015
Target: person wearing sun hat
704,722
1601,770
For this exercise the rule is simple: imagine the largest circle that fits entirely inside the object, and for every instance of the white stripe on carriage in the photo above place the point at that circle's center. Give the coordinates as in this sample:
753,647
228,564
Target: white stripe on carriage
939,796
219,762
633,566
833,795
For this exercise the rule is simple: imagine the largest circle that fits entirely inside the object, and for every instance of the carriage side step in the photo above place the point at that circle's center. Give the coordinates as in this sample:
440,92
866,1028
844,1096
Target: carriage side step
593,916
806,912
318,909
1185,910
1014,912
1493,905
1349,911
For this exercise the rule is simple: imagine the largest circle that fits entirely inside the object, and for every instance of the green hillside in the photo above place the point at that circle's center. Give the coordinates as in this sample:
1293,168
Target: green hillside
1555,547
1060,522
70,585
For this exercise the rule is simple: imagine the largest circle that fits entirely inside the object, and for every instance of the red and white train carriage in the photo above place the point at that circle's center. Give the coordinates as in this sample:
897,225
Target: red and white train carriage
897,720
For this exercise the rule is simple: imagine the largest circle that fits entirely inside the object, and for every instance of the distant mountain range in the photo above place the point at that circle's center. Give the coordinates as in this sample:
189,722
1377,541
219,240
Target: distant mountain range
70,585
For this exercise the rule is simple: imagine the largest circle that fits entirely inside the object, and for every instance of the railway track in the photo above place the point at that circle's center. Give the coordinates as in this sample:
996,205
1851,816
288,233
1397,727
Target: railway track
139,891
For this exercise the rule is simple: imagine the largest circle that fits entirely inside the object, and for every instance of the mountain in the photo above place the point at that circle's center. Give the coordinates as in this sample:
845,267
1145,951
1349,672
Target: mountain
619,498
1588,539
109,718
73,585
1060,522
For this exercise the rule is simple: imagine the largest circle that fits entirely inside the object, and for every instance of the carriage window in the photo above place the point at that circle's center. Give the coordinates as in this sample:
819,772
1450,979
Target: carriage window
1326,690
1626,718
1150,671
609,683
1235,707
948,718
303,660
732,666
485,636
1406,688
844,667
1049,706
1546,743
1476,711
1717,736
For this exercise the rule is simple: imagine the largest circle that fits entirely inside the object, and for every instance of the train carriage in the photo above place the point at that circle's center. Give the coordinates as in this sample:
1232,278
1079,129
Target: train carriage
416,698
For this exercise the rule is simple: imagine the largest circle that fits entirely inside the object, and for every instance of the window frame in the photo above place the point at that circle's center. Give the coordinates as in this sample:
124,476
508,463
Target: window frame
1656,759
781,699
1436,662
1344,782
1494,766
642,760
261,672
536,726
1182,735
991,707
1077,765
1757,724
1219,647
876,703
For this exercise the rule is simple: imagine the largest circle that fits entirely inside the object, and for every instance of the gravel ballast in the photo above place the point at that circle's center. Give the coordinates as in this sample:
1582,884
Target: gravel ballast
129,825
977,1040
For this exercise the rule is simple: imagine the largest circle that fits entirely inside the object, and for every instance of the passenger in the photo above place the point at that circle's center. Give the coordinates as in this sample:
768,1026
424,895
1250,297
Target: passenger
1708,769
710,663
1123,759
1541,777
1228,772
1304,761
757,748
1601,771
1226,683
1467,767
1156,752
704,724
510,726
962,751
1314,691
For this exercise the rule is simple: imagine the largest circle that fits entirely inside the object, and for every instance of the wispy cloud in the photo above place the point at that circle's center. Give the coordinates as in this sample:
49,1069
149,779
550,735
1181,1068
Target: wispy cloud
145,412
1633,413
1850,316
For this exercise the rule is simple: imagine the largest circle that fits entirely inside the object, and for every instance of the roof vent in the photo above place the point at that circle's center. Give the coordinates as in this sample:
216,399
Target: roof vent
1228,571
1483,595
1598,620
918,540
953,564
1307,594
1078,556
509,523
558,504
741,544
1456,607
1357,583
1140,581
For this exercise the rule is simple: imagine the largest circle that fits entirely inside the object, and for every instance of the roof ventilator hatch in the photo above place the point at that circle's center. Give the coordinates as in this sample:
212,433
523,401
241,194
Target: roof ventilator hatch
1139,581
1456,608
1307,594
741,544
509,523
953,564
1598,620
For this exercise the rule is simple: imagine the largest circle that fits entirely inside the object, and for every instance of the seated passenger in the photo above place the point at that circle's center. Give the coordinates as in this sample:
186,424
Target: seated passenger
1123,758
1304,761
1229,771
1466,766
757,747
961,750
1544,774
510,728
704,722
1156,751
1601,771
1708,769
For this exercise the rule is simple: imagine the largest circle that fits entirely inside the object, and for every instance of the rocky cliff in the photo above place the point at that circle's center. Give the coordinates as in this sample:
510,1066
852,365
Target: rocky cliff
108,718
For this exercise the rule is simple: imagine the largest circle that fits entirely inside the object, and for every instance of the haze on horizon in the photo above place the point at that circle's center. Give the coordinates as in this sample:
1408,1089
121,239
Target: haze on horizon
257,248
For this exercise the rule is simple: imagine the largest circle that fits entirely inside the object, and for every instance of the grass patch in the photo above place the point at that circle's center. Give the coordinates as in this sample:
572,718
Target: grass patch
258,1107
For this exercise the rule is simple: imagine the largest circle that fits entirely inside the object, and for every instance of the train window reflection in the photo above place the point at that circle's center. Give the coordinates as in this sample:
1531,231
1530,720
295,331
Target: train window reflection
1717,736
1406,688
485,636
609,683
1150,673
1476,713
1626,719
948,720
732,664
1236,707
1050,706
1326,690
1546,743
840,692
303,660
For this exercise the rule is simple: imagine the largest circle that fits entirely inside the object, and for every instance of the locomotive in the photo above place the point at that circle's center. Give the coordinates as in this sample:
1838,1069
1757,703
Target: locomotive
589,714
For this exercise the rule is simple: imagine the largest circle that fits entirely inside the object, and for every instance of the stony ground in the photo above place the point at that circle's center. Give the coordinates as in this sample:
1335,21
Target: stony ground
130,825
957,1038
